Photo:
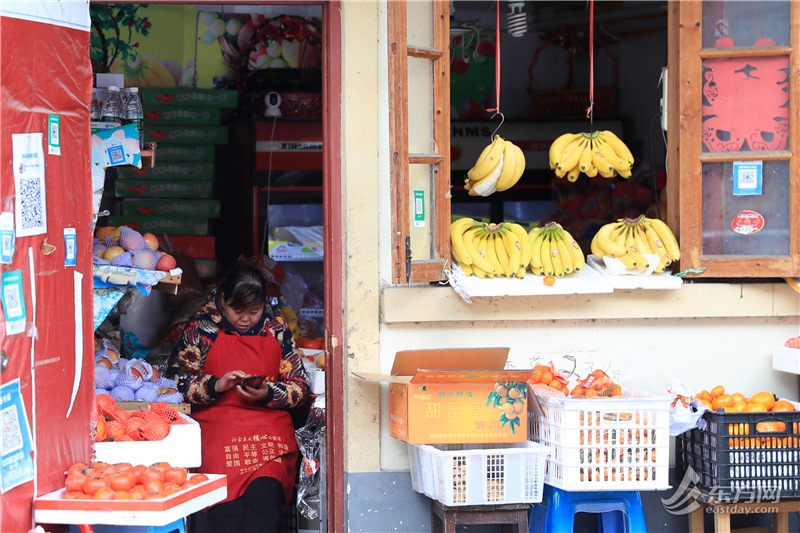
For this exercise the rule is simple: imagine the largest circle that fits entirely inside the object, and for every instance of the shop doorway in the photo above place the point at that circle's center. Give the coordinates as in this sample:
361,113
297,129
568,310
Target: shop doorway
264,192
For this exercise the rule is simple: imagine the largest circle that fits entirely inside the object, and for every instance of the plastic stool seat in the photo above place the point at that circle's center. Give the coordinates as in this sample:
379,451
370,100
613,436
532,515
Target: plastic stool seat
618,511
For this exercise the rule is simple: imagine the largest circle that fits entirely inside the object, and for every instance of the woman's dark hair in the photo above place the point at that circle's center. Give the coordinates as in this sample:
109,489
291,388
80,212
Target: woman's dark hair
244,287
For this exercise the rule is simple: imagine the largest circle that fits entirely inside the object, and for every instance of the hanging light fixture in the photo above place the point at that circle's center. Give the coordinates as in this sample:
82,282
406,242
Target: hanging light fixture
517,18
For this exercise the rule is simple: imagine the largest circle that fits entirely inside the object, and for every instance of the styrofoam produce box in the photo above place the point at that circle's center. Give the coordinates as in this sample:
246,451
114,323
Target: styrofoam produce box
53,508
180,448
475,474
603,443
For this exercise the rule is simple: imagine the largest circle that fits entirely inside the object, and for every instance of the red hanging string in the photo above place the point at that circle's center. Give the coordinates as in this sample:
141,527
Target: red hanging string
496,108
590,109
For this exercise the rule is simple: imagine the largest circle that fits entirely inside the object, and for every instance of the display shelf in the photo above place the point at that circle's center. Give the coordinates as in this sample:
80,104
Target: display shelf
53,508
587,281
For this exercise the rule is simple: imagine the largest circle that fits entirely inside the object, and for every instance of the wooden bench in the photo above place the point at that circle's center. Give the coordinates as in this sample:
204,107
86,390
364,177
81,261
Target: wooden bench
445,518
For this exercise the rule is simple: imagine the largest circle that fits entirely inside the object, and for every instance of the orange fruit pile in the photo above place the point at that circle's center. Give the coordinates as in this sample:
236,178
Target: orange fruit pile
125,481
548,375
597,385
115,424
760,402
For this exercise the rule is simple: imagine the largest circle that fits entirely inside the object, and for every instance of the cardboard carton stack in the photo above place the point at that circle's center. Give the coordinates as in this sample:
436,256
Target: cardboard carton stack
175,197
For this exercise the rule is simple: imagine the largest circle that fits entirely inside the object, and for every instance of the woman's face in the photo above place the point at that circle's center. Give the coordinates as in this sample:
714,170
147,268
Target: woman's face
242,319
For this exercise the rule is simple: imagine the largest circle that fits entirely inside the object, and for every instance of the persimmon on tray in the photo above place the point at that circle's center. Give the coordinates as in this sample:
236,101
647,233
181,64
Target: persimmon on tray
54,508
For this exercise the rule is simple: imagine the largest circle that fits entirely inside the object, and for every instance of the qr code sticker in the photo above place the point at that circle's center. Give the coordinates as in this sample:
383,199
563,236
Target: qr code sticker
31,204
12,301
747,177
12,435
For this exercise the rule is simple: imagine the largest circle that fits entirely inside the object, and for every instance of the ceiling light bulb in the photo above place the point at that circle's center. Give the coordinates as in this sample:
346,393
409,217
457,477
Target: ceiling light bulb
517,19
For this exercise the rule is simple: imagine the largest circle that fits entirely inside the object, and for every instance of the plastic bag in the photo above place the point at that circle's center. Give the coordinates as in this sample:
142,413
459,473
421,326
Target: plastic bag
310,438
684,414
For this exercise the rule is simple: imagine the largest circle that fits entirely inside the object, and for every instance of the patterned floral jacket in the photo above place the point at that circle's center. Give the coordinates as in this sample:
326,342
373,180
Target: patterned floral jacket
188,358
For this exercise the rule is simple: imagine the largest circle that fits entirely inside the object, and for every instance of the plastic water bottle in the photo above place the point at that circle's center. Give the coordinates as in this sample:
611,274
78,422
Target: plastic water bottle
134,113
112,105
97,106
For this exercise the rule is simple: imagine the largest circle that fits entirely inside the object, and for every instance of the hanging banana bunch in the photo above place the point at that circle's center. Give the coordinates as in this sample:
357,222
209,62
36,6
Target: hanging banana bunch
498,168
600,153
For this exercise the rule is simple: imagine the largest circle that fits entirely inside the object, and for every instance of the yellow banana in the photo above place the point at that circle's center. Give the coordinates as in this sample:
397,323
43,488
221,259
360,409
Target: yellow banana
488,184
486,248
667,237
574,174
555,256
479,272
571,156
621,167
628,261
501,253
585,162
632,250
521,272
595,248
618,234
547,259
563,252
478,259
557,148
640,240
591,172
656,244
604,167
465,268
457,229
606,244
575,252
523,243
486,164
513,248
536,238
513,167
618,146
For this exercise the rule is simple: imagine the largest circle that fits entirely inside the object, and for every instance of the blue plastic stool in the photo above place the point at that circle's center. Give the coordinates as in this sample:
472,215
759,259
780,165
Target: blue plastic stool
175,527
619,511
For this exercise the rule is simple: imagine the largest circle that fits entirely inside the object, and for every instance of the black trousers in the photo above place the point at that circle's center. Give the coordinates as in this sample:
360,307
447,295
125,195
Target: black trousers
258,510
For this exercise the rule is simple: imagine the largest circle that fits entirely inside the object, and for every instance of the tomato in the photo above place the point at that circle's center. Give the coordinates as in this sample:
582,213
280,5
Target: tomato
73,495
100,466
93,484
104,493
175,475
77,467
198,477
154,496
121,467
122,480
122,495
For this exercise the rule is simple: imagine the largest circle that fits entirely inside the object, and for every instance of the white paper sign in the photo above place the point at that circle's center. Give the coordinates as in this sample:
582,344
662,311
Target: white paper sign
28,159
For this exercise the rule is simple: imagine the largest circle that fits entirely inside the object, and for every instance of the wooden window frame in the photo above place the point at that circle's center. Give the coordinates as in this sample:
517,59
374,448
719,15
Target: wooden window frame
406,269
685,198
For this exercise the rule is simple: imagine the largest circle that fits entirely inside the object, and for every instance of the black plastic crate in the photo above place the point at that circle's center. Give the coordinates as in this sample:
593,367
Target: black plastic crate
740,454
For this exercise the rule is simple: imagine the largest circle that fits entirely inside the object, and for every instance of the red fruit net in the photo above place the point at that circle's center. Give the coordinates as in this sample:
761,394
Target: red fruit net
165,411
156,429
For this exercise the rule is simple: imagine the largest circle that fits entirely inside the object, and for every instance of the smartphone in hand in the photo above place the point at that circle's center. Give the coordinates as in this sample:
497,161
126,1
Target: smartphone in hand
253,381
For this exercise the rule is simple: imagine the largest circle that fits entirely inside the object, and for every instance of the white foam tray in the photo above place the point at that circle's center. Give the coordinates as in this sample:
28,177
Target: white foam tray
664,280
786,359
587,281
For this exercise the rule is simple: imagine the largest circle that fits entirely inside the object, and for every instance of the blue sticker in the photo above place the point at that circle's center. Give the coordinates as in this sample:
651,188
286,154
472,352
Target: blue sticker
16,463
70,245
747,178
13,302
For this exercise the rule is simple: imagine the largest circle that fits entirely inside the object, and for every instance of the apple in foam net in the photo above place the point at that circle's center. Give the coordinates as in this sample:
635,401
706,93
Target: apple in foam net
151,240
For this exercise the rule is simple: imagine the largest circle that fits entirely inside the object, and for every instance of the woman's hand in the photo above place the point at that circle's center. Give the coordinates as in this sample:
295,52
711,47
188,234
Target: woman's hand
254,394
229,380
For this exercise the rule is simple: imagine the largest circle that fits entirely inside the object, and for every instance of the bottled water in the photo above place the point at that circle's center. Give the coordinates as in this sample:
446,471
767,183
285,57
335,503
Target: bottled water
134,114
112,105
97,106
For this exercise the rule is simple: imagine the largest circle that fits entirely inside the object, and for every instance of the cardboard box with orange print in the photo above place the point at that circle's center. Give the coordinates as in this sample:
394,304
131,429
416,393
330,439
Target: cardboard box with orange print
456,396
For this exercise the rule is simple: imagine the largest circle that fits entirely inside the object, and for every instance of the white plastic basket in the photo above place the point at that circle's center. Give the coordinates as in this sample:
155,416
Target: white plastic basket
474,474
604,443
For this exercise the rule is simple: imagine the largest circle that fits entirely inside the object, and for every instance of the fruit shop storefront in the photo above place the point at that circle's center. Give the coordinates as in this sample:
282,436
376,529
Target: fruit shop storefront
718,328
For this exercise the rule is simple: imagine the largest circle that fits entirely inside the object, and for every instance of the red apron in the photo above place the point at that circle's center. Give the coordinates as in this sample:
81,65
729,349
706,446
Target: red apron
241,439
